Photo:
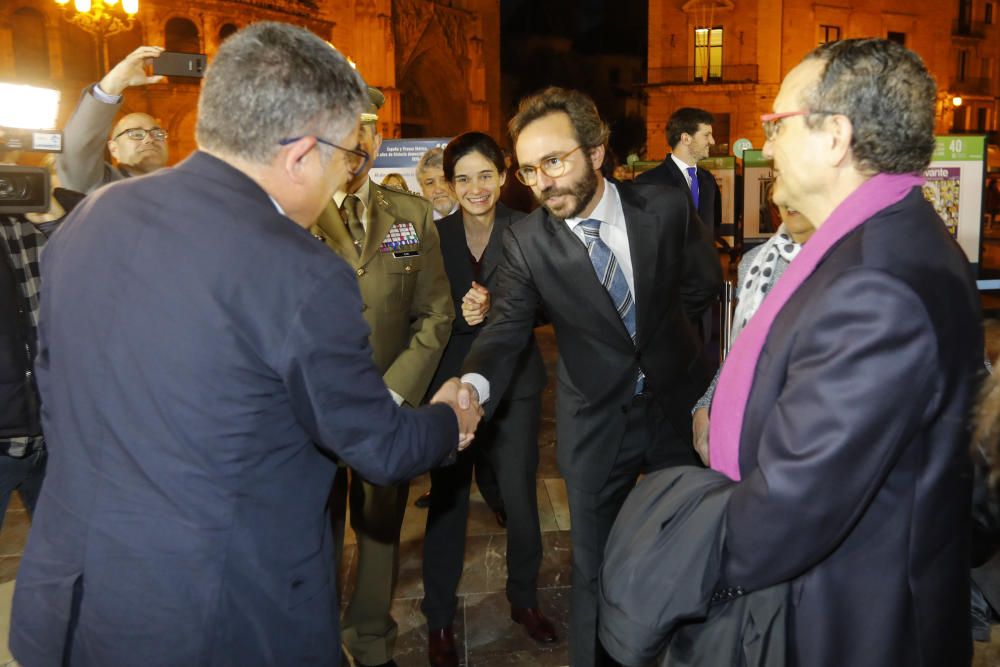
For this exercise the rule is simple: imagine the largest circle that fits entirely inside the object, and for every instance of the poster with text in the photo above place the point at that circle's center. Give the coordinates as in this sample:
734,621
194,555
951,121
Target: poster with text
954,186
396,163
759,222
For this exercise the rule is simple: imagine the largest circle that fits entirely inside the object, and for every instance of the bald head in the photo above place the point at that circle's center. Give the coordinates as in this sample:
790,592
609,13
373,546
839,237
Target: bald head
134,146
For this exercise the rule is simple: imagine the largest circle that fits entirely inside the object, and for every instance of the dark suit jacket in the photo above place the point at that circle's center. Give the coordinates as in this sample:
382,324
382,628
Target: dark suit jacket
546,267
529,377
854,450
709,197
198,350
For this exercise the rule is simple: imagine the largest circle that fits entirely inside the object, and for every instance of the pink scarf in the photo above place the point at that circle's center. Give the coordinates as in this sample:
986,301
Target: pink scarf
736,379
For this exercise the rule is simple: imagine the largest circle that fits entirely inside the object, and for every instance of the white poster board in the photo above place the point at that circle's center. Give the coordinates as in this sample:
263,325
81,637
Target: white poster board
400,156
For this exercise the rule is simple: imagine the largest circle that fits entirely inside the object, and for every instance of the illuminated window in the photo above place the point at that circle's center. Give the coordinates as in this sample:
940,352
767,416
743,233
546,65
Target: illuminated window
708,53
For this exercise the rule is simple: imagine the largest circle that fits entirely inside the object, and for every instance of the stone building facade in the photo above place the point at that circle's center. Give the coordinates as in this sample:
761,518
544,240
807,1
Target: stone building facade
438,61
729,56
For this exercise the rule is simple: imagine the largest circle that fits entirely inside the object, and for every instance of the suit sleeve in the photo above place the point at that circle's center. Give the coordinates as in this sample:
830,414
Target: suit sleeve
81,165
431,315
860,380
338,394
702,274
508,329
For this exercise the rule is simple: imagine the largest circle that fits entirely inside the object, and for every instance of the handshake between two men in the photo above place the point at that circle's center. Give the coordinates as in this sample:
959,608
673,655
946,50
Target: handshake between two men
464,400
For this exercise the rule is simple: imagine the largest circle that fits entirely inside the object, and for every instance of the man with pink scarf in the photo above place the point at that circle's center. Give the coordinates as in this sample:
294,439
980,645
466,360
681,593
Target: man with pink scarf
842,408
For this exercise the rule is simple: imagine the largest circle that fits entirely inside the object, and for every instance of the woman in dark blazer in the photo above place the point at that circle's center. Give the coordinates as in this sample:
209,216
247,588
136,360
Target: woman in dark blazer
471,243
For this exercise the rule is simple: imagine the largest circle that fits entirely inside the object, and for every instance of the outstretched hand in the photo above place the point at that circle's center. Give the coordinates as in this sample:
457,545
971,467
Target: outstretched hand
464,400
131,71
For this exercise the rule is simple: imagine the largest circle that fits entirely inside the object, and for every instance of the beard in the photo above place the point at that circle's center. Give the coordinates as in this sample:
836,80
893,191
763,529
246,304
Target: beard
581,193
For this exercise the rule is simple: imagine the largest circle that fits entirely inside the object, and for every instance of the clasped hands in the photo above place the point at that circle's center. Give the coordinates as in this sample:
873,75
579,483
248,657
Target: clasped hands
464,400
475,304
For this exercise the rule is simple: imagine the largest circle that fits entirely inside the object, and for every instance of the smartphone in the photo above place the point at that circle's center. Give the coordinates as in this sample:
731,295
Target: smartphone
173,63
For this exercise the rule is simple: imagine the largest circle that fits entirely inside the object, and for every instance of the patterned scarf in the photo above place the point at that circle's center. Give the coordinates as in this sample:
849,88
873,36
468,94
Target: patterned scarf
736,379
761,276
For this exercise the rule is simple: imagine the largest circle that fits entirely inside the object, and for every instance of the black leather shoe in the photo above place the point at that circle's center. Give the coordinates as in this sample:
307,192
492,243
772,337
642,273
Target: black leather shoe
423,501
535,624
501,517
441,648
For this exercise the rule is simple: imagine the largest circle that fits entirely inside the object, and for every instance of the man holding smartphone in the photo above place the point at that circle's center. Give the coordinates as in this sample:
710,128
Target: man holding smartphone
137,143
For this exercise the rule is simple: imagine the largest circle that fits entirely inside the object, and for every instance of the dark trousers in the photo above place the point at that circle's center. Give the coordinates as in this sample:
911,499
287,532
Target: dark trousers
510,441
23,475
650,443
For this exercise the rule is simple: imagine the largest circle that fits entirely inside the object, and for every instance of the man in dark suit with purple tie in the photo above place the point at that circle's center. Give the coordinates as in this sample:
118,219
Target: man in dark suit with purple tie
689,133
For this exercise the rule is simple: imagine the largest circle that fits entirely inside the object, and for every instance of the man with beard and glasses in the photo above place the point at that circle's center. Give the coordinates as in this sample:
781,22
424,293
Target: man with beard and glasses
621,271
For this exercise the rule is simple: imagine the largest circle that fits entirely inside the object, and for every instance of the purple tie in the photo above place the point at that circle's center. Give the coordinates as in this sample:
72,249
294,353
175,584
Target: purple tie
693,173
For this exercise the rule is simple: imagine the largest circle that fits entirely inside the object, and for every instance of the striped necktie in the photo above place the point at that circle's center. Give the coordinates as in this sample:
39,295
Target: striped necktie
612,278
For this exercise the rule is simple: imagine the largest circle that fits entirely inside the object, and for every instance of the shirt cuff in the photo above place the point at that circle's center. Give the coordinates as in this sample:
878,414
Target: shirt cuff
481,384
102,96
396,397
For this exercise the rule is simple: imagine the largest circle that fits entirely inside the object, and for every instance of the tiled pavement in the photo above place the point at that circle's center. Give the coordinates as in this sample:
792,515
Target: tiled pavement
484,632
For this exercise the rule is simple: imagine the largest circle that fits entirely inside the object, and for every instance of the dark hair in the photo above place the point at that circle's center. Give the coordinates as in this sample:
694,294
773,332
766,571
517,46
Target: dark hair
888,95
590,130
686,119
472,142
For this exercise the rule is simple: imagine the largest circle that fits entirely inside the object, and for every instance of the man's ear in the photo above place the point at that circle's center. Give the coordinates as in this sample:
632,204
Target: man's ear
840,131
597,157
376,144
292,157
113,149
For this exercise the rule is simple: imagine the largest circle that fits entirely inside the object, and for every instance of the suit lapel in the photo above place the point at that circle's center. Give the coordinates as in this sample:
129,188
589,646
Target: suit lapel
333,231
641,227
578,272
494,247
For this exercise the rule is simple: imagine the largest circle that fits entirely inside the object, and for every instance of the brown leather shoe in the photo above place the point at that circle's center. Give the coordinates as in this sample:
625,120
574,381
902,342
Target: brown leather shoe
441,648
535,624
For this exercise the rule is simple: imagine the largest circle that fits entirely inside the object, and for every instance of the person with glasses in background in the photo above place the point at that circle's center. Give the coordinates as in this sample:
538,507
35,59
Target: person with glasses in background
138,145
471,242
621,271
390,240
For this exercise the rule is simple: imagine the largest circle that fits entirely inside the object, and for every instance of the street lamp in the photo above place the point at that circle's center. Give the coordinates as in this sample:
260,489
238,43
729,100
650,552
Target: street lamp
101,18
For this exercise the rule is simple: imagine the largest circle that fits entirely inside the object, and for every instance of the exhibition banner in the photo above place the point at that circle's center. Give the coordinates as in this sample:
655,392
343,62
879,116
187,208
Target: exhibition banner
954,185
396,163
724,171
759,220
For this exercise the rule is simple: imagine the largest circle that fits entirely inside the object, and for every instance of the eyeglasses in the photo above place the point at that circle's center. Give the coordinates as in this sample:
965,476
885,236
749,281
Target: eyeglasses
553,166
771,122
357,158
139,134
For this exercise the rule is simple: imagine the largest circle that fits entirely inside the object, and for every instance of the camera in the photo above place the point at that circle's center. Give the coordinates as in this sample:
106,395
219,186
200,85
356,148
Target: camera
26,113
24,189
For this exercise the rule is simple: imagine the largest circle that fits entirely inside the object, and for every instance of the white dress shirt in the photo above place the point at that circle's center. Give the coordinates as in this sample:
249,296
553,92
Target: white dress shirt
683,166
612,231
